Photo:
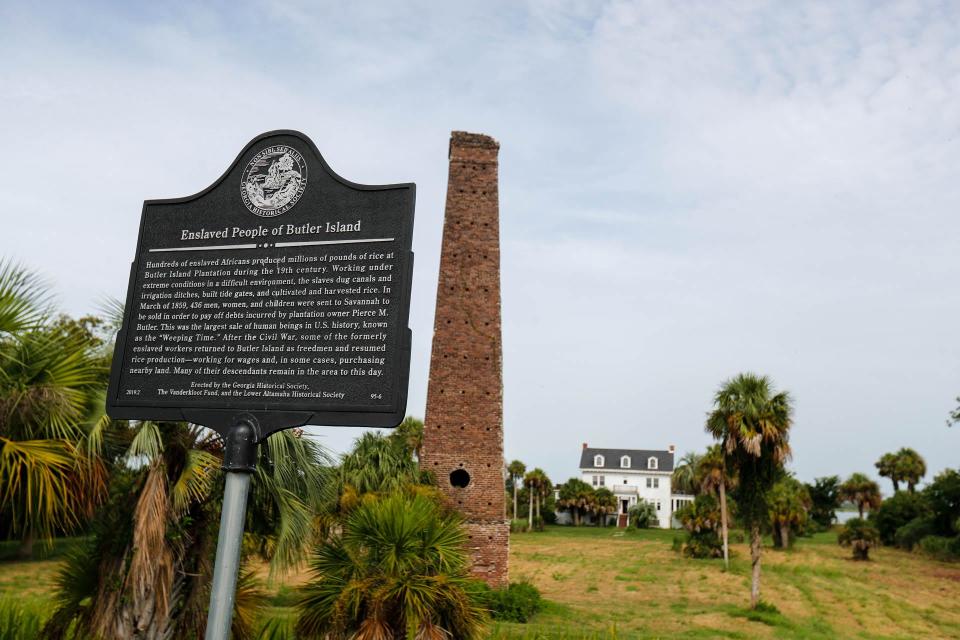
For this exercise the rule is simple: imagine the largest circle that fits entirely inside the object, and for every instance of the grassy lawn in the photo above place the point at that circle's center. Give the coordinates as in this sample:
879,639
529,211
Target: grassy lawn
610,584
604,583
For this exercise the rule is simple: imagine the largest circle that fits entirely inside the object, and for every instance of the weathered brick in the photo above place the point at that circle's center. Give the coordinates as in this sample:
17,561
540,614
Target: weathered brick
464,420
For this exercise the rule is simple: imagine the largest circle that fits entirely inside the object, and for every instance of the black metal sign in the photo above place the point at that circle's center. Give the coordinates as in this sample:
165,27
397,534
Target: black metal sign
281,292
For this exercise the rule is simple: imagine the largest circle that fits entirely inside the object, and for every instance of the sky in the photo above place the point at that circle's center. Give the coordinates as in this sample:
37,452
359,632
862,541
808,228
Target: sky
688,190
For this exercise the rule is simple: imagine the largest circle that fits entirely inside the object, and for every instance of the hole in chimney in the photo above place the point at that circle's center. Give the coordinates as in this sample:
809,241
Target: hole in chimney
459,478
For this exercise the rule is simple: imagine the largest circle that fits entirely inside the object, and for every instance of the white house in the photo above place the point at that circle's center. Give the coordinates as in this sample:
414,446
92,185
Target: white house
633,475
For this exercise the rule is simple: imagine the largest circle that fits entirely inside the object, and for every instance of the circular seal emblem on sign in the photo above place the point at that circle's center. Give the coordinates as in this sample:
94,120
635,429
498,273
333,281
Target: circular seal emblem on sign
273,181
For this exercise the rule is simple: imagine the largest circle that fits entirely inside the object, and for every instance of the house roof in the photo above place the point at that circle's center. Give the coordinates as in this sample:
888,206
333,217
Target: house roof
638,458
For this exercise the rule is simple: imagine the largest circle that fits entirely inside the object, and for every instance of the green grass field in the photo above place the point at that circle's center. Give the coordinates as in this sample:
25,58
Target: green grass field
604,583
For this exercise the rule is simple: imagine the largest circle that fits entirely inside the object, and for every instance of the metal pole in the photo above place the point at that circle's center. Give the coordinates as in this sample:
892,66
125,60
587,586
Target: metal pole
239,460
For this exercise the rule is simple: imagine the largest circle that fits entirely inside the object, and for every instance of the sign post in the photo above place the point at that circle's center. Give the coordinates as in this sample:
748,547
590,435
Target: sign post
239,461
277,297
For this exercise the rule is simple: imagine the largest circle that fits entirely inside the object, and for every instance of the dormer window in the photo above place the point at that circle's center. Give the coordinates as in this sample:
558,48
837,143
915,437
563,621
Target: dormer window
652,462
598,461
625,462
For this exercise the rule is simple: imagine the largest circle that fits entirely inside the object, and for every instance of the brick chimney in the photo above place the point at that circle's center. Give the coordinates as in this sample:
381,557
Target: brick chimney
463,430
672,448
584,446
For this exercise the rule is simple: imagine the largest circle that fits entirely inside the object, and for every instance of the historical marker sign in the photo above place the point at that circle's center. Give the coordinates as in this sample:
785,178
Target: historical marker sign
280,291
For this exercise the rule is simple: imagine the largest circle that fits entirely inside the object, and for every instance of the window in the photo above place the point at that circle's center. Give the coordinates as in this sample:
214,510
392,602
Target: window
625,462
658,505
656,483
624,481
652,462
594,480
649,482
601,481
598,461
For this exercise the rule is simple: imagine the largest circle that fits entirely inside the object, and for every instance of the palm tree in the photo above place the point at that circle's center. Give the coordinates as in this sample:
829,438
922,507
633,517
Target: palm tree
516,469
376,465
399,570
51,474
409,435
577,496
752,424
604,503
789,506
530,482
861,536
911,467
538,485
862,491
684,478
543,488
146,570
887,468
712,476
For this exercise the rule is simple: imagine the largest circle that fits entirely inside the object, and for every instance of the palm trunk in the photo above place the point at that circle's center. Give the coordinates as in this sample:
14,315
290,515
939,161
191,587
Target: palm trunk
755,543
860,509
785,536
896,486
25,552
514,499
723,524
530,503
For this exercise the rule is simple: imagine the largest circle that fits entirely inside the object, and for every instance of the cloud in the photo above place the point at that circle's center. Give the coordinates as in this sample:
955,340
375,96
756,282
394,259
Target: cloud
688,190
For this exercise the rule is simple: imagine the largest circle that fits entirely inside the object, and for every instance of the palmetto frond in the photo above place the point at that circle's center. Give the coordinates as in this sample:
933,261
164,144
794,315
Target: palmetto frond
99,425
147,443
46,378
36,484
112,311
24,299
195,480
289,488
377,465
399,571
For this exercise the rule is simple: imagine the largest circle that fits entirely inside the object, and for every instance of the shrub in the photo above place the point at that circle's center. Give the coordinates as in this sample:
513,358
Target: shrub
944,497
825,498
701,519
519,526
897,511
517,603
859,535
643,515
399,567
909,535
941,547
